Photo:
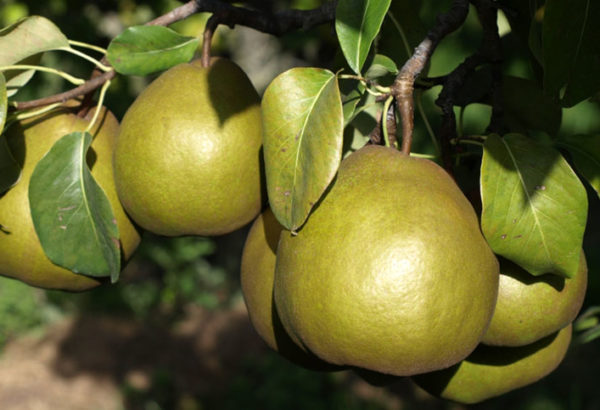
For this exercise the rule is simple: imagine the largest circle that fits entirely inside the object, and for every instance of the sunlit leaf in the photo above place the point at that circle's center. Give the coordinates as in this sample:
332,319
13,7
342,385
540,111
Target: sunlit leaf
71,213
27,37
303,128
23,42
9,169
534,206
585,151
141,50
571,48
357,23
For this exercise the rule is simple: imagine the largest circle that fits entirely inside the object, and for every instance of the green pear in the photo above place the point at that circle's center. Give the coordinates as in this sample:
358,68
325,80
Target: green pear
493,370
21,254
531,307
187,160
390,272
257,277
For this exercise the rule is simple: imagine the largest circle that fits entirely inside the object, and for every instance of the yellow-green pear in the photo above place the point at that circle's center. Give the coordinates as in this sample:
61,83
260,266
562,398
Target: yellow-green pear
390,272
494,370
21,255
257,277
187,160
531,307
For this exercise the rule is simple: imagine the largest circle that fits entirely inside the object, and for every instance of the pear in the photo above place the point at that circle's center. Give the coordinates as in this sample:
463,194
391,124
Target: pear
257,277
187,160
492,370
21,255
390,272
531,307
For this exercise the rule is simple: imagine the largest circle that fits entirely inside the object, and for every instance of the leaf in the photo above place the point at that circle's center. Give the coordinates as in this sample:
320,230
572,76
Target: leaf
141,50
16,79
9,169
381,66
357,23
585,151
402,31
571,49
534,206
27,37
303,133
23,42
526,106
71,213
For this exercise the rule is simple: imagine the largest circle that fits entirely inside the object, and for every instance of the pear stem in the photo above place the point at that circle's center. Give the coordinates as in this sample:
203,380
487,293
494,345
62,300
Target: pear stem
209,31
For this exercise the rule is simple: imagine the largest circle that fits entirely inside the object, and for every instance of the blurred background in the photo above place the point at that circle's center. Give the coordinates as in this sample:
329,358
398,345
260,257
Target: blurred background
174,333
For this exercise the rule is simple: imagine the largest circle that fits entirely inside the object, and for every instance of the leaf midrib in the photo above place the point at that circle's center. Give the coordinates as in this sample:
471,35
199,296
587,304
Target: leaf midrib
300,139
529,200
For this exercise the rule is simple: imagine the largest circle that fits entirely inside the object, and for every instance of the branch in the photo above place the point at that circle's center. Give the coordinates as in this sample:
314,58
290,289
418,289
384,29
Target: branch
403,86
490,51
276,23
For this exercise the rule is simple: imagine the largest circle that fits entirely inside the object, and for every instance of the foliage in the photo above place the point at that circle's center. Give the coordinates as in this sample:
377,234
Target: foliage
519,133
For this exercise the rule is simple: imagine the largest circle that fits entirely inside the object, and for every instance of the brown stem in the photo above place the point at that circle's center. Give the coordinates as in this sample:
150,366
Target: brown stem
274,23
403,86
209,31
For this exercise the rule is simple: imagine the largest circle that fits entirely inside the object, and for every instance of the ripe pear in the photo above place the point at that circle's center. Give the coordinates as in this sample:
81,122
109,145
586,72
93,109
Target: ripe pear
492,370
390,272
531,307
187,160
21,255
257,277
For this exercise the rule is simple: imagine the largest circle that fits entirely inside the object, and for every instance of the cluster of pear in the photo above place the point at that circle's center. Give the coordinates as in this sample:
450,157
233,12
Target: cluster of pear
391,276
159,169
390,273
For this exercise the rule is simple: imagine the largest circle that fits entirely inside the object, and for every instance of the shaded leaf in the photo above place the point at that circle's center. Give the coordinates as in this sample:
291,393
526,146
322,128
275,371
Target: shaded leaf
402,31
350,101
9,169
71,213
526,106
534,206
380,67
585,151
571,49
16,79
357,23
141,50
303,132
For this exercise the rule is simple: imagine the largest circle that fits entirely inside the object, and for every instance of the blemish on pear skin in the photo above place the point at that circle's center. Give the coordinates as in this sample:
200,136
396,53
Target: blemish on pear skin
503,236
287,193
518,236
541,187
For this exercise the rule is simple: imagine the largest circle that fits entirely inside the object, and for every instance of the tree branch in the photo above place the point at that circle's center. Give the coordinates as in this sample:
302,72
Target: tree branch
403,86
276,23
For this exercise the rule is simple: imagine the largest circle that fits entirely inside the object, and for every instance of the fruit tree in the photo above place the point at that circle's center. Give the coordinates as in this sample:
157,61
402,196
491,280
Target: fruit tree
422,177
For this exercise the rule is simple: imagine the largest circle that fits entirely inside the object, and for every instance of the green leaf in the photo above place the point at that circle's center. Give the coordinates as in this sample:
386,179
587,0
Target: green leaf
23,42
381,66
402,31
357,23
571,49
10,171
585,151
526,106
16,79
27,37
303,133
534,206
71,213
141,50
350,101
